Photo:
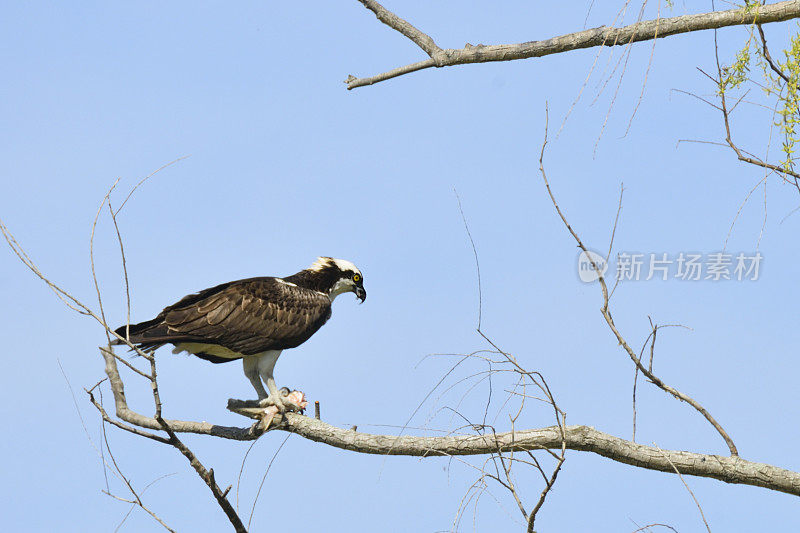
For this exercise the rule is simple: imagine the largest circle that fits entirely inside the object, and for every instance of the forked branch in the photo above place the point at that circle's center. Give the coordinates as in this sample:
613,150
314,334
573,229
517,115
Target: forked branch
603,36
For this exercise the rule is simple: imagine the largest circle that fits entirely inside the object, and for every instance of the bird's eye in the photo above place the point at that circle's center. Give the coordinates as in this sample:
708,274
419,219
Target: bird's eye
356,277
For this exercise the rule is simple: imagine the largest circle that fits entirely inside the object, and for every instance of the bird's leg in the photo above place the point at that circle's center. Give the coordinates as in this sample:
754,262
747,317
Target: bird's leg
275,396
283,401
250,365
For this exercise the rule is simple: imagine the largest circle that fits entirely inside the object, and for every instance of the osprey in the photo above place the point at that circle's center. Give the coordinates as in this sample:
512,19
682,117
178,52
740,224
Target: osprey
251,319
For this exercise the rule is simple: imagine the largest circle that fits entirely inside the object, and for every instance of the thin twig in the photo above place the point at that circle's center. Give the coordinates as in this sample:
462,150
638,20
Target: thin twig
697,503
264,478
475,254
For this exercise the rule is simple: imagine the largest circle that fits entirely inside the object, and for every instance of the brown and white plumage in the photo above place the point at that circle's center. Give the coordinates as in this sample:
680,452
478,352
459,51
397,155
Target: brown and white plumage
245,317
251,319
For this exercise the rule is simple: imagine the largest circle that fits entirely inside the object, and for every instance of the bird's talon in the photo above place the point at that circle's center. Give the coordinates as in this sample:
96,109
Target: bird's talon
294,402
271,401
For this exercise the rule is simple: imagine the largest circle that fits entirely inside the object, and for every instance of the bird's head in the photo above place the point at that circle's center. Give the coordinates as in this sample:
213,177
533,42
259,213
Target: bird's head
341,276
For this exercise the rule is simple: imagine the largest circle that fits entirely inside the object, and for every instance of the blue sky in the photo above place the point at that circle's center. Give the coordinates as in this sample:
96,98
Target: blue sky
285,164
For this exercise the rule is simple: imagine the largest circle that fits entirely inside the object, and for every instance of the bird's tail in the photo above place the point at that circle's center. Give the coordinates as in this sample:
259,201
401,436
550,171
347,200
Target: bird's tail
146,336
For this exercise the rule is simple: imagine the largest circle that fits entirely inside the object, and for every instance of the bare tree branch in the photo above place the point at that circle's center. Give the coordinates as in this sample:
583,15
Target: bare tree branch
583,438
205,475
732,469
602,36
403,26
768,57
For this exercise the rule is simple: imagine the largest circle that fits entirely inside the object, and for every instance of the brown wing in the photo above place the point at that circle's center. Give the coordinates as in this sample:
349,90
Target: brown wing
247,316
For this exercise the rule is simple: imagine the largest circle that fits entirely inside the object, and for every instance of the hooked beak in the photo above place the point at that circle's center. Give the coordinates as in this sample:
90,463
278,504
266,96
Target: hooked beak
361,294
